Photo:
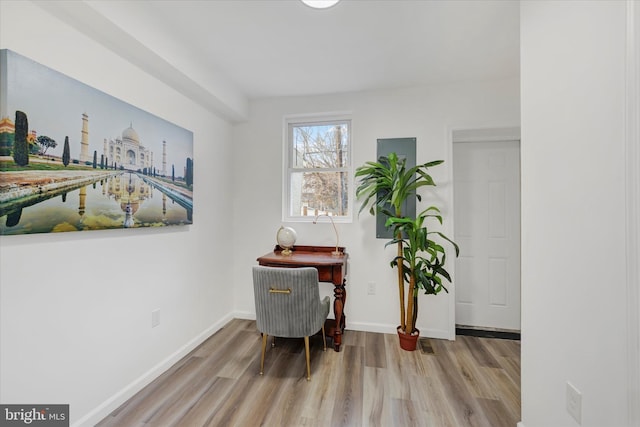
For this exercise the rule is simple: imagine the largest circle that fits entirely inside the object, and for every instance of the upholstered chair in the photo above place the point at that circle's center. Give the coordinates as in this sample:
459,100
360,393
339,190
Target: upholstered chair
288,305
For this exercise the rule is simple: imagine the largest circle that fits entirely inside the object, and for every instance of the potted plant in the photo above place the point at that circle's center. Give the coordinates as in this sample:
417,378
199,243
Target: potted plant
384,186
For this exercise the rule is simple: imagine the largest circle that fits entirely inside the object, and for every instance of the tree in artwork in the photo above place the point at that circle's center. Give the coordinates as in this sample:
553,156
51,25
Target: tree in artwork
20,144
46,142
66,152
188,176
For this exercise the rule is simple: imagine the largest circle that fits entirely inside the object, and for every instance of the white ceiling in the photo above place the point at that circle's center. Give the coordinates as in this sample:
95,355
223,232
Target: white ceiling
246,49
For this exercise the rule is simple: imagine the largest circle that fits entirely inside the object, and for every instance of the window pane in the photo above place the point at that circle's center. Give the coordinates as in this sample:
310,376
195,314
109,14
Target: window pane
320,146
314,193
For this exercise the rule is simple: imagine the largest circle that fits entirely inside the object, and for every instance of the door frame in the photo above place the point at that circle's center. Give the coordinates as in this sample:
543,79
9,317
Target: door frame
463,134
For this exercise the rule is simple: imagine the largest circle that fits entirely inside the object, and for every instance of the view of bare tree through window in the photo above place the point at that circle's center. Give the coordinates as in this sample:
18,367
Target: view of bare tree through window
319,174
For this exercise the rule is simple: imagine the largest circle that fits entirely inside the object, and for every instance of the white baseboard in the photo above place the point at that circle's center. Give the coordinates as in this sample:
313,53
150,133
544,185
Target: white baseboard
371,327
520,424
112,403
391,329
247,315
382,328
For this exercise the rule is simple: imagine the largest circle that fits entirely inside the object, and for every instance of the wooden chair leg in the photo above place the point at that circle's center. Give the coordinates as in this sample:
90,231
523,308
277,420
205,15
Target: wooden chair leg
324,339
306,350
273,341
264,349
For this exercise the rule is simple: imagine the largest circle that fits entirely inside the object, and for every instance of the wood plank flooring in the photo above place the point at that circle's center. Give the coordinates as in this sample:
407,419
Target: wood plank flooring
372,382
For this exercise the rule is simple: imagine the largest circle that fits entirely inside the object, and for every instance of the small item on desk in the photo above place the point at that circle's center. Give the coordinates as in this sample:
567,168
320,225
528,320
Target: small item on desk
315,221
286,238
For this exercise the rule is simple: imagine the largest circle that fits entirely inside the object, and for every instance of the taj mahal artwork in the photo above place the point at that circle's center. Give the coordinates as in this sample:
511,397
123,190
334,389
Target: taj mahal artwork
85,160
128,150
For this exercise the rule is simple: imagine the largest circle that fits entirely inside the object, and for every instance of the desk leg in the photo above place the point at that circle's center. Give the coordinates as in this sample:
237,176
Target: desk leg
340,294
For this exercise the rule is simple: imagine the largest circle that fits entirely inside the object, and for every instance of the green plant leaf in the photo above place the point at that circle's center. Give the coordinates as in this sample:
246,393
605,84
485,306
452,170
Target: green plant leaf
383,187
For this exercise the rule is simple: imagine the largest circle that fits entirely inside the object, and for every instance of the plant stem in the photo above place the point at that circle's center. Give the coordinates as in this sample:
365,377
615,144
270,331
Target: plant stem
400,266
410,297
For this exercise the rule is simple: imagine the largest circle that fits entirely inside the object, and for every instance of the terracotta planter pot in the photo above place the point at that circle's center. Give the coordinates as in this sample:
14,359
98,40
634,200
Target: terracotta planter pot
408,342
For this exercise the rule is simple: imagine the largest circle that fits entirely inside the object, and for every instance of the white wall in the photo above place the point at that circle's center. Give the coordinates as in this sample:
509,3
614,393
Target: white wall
574,287
82,335
427,113
73,329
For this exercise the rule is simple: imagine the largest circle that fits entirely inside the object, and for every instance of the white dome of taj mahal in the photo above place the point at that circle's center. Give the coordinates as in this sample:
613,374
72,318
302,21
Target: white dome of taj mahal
131,135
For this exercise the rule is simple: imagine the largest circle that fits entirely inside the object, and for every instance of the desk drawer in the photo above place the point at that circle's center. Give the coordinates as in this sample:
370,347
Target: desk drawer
325,274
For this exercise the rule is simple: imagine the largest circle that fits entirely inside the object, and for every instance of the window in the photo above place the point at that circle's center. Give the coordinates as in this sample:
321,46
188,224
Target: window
318,172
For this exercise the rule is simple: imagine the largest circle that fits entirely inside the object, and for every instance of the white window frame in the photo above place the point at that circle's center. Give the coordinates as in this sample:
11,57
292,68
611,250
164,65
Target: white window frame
288,169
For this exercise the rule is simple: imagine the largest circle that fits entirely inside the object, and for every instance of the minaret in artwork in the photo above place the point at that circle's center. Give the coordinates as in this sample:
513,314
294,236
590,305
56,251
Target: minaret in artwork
105,153
164,158
84,143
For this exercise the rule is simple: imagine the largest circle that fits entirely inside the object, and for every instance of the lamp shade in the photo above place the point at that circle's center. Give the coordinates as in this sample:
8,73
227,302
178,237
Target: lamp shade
286,238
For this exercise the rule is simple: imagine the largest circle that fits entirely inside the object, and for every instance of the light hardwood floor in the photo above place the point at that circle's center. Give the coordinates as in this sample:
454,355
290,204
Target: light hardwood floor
371,382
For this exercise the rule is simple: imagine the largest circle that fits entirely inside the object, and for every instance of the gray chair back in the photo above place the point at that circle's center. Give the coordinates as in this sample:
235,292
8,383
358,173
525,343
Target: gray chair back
288,301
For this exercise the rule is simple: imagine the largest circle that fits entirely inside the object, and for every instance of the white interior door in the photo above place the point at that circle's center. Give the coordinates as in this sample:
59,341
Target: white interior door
487,228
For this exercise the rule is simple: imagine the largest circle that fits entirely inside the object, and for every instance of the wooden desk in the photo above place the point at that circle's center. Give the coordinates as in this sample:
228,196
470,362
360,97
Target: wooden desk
331,269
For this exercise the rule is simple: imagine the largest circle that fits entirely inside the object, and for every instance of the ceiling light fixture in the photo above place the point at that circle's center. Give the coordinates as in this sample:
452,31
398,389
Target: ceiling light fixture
320,4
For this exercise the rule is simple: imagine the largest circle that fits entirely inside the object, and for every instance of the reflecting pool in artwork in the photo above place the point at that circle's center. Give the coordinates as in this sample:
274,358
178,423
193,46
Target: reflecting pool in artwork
125,200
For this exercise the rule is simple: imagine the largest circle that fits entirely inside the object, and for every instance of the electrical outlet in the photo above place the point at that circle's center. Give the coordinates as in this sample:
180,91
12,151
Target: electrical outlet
574,402
155,318
371,288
